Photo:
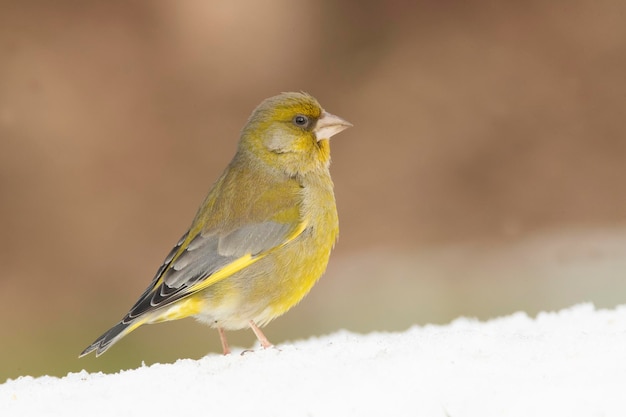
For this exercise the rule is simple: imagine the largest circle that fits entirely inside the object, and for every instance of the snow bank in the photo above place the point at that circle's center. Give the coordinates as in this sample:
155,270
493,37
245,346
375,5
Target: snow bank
570,363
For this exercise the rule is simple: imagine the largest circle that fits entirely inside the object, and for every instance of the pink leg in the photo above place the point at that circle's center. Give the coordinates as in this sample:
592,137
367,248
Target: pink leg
259,335
225,347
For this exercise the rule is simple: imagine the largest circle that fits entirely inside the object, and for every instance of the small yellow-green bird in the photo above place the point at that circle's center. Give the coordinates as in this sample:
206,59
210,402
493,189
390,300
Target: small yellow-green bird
263,235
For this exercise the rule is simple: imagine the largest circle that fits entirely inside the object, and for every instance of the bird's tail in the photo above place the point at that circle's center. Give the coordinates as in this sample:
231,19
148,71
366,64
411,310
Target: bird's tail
111,336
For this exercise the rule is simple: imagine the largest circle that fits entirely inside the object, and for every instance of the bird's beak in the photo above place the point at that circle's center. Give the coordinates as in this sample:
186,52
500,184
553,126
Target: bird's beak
329,125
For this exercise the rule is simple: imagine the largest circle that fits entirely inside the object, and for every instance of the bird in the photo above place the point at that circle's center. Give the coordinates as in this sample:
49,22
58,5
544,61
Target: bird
262,236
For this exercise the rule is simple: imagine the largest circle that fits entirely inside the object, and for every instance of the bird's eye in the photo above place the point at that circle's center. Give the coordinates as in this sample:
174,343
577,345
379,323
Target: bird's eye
301,120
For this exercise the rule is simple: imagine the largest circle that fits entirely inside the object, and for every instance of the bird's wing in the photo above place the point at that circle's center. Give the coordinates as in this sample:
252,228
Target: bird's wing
199,261
214,248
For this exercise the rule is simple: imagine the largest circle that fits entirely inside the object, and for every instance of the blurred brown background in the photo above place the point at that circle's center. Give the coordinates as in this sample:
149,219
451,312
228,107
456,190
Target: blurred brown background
484,174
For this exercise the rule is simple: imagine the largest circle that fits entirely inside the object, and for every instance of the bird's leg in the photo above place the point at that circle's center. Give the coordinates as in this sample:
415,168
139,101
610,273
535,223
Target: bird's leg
259,335
225,347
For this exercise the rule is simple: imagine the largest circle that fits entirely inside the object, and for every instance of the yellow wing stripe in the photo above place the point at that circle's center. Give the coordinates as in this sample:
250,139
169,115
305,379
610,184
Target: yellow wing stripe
233,267
241,263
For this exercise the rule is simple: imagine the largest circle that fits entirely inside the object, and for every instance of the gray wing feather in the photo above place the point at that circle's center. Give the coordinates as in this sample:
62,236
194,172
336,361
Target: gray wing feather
199,260
253,239
206,254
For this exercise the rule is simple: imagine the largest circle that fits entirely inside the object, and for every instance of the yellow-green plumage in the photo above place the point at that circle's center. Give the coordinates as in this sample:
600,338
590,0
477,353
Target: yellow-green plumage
263,235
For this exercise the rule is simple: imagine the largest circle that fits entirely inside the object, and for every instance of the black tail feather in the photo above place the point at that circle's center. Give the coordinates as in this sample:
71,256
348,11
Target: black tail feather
109,337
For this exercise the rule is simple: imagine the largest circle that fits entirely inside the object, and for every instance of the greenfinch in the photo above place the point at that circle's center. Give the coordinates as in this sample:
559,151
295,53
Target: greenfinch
263,235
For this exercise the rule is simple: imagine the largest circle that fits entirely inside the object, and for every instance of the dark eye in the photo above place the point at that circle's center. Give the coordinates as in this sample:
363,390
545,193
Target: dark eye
301,120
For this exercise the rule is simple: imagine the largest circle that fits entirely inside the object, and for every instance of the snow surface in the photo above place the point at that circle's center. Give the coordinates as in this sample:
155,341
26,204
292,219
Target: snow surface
570,363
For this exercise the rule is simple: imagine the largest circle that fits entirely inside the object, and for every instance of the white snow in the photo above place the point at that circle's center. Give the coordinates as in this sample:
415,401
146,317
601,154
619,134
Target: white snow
569,363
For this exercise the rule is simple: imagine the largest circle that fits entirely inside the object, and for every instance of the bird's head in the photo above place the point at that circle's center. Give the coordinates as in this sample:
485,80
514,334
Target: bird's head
290,131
